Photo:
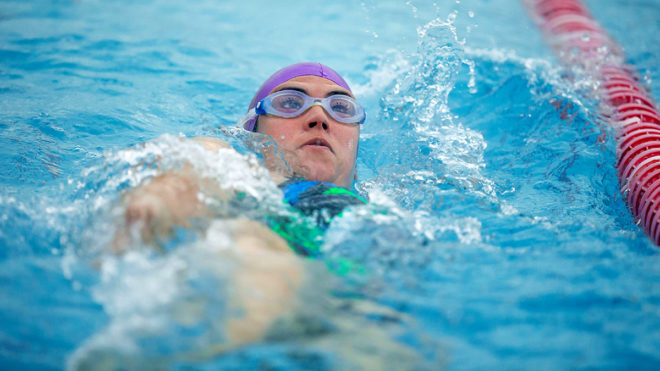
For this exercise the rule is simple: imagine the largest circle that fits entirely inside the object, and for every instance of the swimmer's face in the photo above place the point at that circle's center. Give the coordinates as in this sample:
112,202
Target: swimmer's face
316,146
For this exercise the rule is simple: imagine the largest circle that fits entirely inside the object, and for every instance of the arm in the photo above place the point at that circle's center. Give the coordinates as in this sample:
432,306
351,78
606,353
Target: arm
168,200
268,275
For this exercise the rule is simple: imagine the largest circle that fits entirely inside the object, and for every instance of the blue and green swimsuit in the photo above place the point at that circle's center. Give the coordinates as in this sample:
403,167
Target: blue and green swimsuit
319,200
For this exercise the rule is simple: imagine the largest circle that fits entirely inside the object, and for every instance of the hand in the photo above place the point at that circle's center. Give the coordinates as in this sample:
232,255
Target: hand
155,208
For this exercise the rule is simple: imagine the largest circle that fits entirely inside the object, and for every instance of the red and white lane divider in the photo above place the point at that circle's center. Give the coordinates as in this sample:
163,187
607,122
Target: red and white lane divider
579,40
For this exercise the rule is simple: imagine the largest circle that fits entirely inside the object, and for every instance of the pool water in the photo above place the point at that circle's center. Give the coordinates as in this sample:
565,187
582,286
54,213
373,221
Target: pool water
496,235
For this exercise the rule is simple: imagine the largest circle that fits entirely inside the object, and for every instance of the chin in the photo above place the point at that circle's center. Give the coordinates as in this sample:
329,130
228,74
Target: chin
317,173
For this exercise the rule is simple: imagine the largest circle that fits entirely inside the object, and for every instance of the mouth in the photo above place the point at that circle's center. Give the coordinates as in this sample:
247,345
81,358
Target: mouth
317,142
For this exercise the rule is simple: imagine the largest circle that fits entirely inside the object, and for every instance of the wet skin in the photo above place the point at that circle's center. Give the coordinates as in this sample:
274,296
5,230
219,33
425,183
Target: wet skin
316,146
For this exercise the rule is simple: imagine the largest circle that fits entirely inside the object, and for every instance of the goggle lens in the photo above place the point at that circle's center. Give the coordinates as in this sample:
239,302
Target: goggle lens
287,103
342,107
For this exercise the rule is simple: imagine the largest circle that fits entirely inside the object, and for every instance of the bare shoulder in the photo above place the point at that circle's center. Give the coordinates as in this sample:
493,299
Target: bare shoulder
279,173
211,144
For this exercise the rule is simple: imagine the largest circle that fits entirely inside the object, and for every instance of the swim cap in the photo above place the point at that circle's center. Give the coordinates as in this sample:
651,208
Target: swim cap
286,74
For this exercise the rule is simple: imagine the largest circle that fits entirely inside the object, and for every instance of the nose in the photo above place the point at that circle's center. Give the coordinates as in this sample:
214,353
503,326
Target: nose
317,117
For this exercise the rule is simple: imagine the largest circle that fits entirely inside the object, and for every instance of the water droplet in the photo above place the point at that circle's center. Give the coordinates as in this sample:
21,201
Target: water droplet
647,78
470,14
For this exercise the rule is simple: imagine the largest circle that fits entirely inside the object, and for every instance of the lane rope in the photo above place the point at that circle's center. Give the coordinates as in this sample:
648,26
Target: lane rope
579,40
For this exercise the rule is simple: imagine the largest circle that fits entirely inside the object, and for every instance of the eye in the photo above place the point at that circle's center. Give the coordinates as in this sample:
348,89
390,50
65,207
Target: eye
288,103
342,107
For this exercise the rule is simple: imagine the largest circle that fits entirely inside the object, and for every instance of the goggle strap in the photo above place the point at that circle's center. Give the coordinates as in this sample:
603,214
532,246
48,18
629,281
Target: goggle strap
251,114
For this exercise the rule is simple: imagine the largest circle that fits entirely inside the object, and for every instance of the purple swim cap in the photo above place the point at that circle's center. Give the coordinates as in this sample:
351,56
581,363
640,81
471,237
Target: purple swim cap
286,74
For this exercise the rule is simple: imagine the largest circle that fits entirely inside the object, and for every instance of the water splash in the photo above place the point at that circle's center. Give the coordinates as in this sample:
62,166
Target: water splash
447,152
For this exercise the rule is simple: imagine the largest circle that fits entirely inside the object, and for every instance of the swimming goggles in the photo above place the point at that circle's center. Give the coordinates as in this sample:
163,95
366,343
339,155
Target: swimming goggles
293,103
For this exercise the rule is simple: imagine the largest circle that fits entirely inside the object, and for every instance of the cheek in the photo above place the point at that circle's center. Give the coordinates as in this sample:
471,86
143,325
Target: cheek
352,140
352,144
277,128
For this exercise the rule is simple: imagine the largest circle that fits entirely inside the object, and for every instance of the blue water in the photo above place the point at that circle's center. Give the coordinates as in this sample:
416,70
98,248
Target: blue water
505,243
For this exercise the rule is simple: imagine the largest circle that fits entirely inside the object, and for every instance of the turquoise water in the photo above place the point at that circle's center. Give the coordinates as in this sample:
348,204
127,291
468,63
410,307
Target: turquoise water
506,242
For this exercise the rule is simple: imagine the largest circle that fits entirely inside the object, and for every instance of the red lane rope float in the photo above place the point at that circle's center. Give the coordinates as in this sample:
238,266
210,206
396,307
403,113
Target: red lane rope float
579,40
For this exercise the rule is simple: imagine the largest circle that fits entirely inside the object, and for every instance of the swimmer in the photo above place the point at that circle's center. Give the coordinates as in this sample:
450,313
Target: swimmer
310,112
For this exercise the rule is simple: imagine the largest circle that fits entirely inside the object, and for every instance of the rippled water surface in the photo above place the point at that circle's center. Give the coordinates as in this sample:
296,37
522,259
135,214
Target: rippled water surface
496,236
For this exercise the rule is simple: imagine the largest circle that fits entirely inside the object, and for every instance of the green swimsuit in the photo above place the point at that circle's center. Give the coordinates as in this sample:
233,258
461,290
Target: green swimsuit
322,201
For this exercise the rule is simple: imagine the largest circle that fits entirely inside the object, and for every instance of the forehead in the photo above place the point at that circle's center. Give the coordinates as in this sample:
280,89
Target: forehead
313,85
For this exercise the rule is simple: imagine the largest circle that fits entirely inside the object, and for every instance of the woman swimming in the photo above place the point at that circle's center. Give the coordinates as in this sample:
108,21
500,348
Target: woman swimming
310,112
312,115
